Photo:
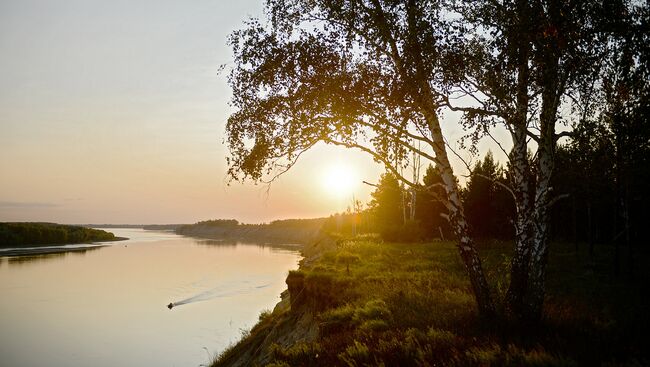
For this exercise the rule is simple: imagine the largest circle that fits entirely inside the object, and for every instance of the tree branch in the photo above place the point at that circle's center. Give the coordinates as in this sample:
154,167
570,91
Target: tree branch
510,190
375,155
532,135
487,131
400,129
478,111
563,134
288,166
412,148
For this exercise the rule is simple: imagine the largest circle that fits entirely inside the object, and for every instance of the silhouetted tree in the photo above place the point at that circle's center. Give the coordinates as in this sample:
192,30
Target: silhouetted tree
488,205
386,207
430,211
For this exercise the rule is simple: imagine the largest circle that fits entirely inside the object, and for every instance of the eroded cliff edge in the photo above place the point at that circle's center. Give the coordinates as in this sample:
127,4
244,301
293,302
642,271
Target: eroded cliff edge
292,321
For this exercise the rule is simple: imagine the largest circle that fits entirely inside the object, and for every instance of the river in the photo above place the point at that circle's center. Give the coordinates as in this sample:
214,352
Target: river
108,306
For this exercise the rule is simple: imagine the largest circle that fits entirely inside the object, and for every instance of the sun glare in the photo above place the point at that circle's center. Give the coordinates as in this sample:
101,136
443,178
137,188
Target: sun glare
339,180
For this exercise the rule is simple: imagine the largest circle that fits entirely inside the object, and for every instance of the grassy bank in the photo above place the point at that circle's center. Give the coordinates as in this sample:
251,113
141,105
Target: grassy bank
388,304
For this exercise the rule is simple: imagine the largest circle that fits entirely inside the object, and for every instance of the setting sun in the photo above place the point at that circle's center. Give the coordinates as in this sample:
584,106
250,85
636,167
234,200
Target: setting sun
339,180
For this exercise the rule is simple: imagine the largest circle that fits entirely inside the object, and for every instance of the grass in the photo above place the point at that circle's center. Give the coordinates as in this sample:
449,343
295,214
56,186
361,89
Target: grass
410,305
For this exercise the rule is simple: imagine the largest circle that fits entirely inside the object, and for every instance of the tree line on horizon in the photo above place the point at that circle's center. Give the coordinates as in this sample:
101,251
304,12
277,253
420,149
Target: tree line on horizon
21,234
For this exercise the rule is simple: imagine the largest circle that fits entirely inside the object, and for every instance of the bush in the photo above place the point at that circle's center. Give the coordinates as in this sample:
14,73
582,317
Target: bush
410,231
299,354
265,315
355,355
373,310
494,355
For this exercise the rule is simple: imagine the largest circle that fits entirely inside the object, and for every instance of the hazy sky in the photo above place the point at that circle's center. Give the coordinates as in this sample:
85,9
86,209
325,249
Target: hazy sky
113,112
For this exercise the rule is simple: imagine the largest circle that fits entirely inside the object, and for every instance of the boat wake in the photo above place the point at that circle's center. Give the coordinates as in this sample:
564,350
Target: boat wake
220,292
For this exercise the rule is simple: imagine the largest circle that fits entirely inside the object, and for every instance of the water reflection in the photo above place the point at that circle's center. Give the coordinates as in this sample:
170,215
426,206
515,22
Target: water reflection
206,242
36,258
108,307
262,245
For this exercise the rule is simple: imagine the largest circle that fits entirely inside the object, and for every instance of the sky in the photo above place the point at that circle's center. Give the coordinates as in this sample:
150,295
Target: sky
114,112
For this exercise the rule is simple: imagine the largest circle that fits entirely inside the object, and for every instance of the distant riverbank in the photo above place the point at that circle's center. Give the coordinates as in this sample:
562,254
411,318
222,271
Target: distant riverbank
28,237
149,227
293,231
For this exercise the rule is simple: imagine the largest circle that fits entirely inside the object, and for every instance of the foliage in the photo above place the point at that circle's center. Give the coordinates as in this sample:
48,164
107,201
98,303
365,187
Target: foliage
430,210
38,234
488,206
388,210
299,354
386,205
350,223
219,222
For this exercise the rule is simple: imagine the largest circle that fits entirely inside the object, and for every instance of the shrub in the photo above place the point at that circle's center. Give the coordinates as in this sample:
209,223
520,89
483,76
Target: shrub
410,231
299,354
374,325
265,315
347,258
337,319
494,355
355,355
373,310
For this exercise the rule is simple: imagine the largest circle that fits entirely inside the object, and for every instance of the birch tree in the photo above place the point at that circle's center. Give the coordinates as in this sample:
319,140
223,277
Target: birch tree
362,74
530,67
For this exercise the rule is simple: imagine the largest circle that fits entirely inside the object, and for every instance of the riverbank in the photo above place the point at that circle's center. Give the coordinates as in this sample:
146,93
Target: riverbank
362,302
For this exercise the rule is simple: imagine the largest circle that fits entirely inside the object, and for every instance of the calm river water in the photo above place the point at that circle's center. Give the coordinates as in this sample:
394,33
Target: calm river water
108,306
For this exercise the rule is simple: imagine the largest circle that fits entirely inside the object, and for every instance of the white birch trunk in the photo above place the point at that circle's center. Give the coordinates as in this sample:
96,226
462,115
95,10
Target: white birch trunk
466,247
519,265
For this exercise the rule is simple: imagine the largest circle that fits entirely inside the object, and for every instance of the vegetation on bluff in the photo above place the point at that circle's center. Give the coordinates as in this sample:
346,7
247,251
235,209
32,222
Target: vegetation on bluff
393,304
42,234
